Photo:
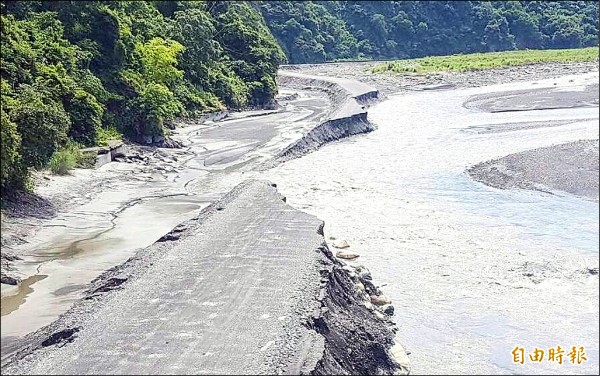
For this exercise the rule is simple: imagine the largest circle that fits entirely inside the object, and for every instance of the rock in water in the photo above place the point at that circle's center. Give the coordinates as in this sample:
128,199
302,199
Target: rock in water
340,244
380,300
6,279
363,273
400,357
388,309
346,255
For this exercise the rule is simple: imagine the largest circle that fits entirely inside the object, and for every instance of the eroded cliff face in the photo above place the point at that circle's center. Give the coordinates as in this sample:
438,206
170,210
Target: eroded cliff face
359,336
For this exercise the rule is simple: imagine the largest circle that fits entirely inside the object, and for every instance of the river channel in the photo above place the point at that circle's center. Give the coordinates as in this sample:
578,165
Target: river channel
472,271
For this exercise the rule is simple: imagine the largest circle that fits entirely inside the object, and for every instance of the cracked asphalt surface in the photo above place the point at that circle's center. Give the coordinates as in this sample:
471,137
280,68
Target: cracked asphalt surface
227,298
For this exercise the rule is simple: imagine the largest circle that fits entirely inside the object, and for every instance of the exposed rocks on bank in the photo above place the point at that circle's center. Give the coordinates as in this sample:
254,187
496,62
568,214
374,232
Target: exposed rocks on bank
195,297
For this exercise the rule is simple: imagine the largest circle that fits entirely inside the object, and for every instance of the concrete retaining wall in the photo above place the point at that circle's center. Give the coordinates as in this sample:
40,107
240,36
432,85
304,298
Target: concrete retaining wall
105,154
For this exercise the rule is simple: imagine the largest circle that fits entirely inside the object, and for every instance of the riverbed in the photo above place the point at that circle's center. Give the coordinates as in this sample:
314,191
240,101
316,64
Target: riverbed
121,208
473,271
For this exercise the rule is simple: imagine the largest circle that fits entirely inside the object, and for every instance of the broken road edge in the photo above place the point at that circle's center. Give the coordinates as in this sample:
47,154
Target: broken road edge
356,337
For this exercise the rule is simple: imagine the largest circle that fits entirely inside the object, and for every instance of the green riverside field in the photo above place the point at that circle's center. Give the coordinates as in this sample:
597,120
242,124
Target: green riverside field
489,60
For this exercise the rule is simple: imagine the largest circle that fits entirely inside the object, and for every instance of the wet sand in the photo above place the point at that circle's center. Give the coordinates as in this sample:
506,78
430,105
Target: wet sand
128,205
570,167
95,219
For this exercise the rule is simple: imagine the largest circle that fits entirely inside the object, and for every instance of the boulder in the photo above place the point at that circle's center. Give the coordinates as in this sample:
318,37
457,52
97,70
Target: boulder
363,273
388,309
370,287
380,300
347,255
340,244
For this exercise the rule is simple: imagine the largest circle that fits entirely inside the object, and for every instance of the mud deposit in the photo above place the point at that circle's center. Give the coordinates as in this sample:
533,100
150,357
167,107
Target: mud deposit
570,168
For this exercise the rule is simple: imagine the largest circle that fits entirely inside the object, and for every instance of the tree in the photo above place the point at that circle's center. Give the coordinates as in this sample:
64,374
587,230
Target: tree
159,60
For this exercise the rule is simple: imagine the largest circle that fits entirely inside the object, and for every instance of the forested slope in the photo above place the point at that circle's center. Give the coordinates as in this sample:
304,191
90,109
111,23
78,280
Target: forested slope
317,31
80,71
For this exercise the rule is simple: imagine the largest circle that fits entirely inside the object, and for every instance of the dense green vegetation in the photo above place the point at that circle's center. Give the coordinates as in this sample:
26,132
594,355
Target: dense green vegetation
317,31
78,73
82,72
487,60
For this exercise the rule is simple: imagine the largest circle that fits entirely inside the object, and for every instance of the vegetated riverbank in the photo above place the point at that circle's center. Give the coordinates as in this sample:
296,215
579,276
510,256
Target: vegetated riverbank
220,154
321,321
26,213
488,60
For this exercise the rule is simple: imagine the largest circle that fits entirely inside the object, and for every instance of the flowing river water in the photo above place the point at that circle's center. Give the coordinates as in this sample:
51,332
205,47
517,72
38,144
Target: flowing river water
472,271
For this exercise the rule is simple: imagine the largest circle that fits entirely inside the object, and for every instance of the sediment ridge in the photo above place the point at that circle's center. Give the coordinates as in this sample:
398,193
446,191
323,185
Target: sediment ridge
250,279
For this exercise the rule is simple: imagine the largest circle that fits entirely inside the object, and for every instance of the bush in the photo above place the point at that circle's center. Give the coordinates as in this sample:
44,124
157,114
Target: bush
12,172
64,160
194,101
86,117
43,127
155,104
103,135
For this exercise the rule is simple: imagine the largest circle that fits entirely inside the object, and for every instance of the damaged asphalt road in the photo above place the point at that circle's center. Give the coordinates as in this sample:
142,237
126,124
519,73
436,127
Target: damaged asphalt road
247,287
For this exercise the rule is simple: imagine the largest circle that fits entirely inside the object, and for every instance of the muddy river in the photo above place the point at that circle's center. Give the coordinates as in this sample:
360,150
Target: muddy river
473,271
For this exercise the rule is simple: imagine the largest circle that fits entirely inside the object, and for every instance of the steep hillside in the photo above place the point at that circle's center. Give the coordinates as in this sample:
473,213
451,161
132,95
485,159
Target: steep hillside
317,31
81,72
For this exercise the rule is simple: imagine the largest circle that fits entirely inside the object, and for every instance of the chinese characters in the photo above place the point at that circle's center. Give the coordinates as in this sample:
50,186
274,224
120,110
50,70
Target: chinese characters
576,355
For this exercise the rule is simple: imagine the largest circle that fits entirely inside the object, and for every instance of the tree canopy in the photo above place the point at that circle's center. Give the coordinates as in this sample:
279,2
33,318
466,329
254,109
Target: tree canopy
74,71
71,69
317,31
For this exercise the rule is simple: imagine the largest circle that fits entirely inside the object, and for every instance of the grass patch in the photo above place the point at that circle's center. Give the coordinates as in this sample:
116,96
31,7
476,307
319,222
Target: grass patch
103,135
69,157
489,60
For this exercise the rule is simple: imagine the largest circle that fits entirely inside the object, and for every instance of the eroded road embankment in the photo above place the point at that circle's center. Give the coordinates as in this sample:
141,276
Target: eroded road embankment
474,271
247,287
347,118
122,207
